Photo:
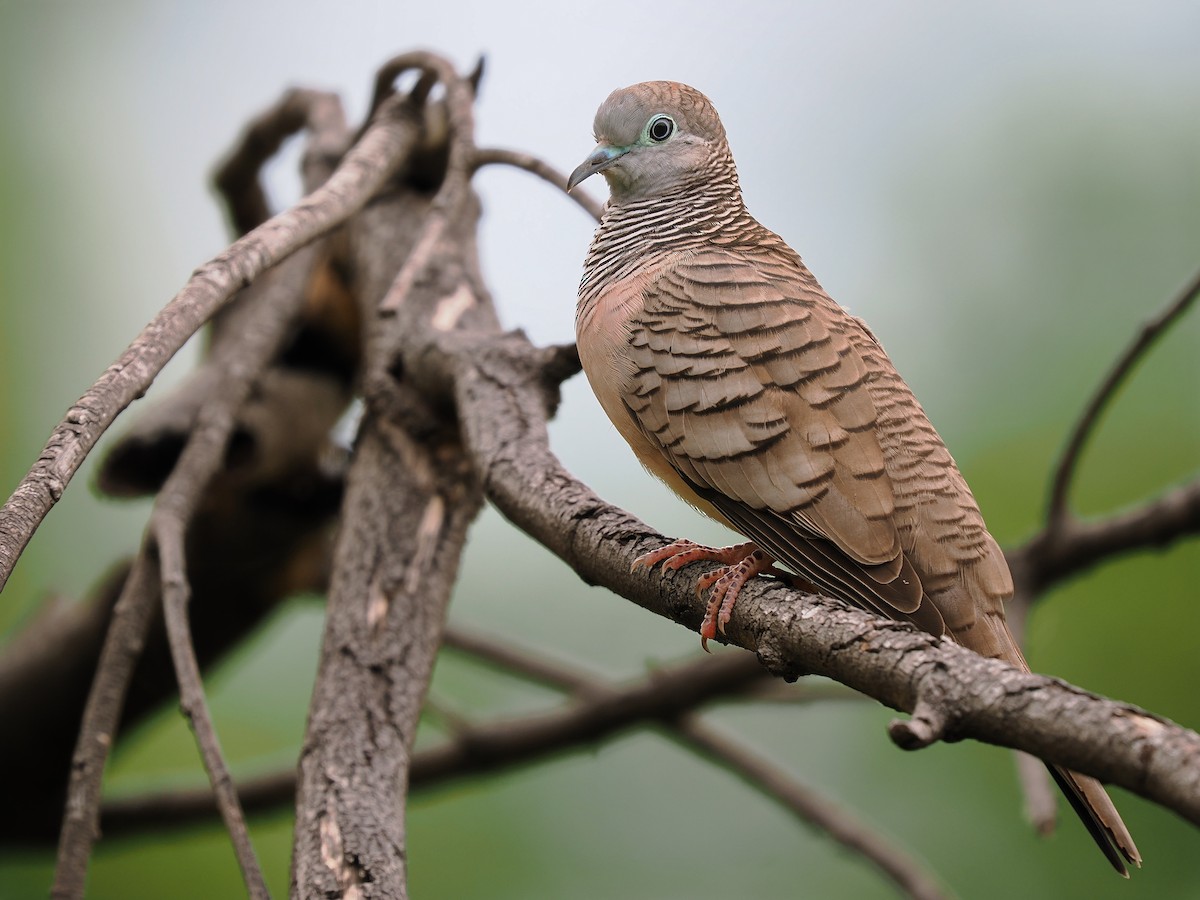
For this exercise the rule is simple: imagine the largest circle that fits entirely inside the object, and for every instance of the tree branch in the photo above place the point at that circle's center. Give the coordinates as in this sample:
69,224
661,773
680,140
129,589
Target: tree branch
410,497
957,694
248,353
810,807
276,305
1053,555
693,734
365,168
543,170
1064,471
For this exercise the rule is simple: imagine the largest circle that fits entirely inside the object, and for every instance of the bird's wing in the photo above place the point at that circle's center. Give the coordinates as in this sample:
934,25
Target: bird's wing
746,379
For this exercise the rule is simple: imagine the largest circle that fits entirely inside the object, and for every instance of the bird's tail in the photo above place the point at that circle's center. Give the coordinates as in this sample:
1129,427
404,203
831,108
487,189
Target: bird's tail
1085,794
1094,808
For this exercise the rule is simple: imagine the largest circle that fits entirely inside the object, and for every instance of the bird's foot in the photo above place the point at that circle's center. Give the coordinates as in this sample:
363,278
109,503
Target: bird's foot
740,563
684,552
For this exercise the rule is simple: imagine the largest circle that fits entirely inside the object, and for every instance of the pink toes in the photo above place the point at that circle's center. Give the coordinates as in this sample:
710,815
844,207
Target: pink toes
740,563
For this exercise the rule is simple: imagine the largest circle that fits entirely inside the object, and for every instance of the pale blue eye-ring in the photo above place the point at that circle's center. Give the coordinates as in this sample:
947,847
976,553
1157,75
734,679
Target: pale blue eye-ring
661,128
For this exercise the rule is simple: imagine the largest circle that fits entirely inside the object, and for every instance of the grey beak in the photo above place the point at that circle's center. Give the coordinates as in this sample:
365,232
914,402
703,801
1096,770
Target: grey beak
602,157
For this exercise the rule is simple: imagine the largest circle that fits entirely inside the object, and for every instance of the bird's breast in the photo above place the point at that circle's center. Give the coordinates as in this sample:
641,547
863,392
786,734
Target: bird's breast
604,323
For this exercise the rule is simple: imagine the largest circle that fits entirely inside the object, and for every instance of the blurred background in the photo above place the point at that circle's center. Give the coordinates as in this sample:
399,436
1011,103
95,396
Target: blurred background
1004,193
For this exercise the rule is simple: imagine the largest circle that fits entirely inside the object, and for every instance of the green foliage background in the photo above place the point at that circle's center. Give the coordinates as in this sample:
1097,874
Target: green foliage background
1005,194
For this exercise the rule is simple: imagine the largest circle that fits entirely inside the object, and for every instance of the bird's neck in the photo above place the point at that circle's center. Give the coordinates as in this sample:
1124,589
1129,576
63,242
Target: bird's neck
633,233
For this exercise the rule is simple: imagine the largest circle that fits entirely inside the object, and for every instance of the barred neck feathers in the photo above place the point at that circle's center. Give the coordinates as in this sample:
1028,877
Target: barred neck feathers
706,209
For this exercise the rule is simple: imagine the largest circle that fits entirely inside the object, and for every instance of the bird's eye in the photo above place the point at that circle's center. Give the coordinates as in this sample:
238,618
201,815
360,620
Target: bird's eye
661,128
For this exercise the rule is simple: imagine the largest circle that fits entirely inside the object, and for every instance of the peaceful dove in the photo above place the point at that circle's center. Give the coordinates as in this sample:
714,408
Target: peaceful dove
740,383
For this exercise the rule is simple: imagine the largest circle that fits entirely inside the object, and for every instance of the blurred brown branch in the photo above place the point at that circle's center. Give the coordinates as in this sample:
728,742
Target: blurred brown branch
391,303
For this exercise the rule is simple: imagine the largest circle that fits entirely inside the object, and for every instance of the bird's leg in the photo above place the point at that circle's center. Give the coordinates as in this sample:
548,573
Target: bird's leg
740,563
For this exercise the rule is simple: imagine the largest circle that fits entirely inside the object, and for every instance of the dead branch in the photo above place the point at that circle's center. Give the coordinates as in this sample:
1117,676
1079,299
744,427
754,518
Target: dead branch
376,157
810,807
240,361
499,393
1064,471
367,166
409,499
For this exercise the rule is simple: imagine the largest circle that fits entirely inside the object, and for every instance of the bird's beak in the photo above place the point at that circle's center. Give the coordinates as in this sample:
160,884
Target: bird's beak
602,157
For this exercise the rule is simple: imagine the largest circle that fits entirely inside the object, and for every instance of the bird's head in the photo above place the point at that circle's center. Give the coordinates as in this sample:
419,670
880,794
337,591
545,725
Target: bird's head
653,139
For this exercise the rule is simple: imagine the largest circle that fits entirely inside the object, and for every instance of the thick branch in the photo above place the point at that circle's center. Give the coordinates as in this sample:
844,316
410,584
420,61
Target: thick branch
410,496
501,399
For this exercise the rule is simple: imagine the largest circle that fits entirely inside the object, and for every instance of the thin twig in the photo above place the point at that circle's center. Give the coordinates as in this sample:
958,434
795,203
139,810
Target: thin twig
122,647
809,806
1052,556
543,170
1064,470
169,538
517,661
366,167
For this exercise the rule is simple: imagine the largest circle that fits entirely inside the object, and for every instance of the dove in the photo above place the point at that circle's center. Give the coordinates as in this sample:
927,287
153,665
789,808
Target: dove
752,394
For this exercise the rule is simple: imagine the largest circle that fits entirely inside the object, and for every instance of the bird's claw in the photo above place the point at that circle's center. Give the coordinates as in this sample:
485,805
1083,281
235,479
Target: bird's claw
741,562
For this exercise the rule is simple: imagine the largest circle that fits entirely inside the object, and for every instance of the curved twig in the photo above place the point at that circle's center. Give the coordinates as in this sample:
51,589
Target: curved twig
1064,470
527,161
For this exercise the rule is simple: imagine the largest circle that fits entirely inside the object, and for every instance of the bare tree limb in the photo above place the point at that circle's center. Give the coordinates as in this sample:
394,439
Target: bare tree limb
543,170
666,697
495,746
122,646
693,734
956,693
1067,464
735,676
191,694
410,496
1054,555
810,807
278,303
365,168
